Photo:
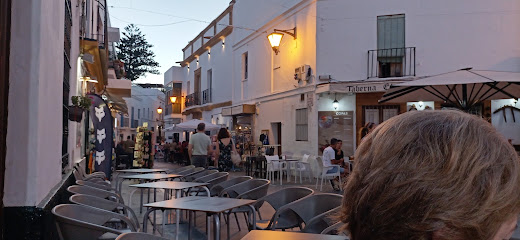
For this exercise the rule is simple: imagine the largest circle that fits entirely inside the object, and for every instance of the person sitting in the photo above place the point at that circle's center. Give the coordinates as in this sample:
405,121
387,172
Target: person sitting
328,156
433,175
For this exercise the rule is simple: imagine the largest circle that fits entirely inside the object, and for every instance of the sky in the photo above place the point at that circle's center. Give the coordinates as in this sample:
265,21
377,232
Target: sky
166,25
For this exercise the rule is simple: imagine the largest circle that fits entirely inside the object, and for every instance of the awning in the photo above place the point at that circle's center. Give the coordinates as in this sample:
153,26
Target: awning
242,109
99,67
117,103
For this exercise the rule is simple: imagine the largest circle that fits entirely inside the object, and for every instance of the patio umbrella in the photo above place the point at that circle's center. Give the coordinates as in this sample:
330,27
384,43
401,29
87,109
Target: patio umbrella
462,89
192,125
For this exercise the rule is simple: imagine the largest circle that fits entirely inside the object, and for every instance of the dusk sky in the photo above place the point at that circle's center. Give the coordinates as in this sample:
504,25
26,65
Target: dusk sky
168,25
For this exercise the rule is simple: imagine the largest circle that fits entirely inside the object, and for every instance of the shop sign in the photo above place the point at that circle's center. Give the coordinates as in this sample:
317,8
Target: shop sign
366,88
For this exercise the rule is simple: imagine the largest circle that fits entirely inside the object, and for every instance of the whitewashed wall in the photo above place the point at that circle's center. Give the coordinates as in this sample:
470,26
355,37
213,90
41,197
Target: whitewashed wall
448,35
33,158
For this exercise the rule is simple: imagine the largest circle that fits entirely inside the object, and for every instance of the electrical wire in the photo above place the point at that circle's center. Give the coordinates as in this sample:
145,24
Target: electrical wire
150,25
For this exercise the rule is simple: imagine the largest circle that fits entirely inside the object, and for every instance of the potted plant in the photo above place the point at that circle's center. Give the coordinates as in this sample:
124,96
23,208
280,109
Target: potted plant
79,104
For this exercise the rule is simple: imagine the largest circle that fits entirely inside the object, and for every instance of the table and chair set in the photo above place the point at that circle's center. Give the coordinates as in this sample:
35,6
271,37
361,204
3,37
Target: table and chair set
98,210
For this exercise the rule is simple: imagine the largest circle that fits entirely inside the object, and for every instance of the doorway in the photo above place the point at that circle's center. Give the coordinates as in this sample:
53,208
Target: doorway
196,86
277,136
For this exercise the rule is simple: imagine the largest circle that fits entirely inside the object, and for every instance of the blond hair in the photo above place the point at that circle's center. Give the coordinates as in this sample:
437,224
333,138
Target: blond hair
426,172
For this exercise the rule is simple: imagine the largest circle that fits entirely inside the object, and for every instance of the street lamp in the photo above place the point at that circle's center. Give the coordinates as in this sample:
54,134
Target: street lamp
335,103
275,38
159,110
173,99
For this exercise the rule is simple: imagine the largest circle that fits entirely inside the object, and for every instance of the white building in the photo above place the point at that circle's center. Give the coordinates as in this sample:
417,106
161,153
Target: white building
142,108
345,51
175,89
46,49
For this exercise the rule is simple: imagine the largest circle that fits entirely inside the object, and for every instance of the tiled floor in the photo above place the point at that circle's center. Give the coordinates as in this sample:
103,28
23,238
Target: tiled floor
266,211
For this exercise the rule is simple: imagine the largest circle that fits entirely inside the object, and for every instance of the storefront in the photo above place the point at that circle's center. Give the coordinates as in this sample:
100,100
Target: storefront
242,130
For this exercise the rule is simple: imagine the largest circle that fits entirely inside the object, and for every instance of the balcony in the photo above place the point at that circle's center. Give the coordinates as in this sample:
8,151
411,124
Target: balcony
193,99
206,96
391,62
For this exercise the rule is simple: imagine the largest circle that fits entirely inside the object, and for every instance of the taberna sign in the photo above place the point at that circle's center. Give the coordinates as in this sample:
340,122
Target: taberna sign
103,130
362,88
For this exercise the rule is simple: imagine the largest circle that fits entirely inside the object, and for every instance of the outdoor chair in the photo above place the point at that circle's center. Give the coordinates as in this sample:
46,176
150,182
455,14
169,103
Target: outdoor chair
216,189
322,171
191,171
81,168
273,166
333,230
139,236
192,177
314,211
92,201
213,179
302,166
179,170
277,200
86,223
77,189
253,189
96,179
97,185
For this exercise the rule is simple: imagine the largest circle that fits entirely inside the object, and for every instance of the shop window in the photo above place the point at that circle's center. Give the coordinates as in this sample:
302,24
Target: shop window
379,113
302,129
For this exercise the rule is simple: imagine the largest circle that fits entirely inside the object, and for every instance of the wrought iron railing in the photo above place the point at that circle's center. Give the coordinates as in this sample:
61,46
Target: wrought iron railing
391,62
193,99
206,96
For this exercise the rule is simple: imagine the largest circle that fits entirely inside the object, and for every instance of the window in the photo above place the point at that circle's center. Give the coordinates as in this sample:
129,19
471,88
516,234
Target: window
390,45
245,64
177,92
132,117
66,87
302,129
139,113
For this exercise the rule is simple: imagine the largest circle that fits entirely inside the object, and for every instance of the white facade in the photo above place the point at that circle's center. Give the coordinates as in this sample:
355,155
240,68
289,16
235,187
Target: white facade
174,75
333,39
142,107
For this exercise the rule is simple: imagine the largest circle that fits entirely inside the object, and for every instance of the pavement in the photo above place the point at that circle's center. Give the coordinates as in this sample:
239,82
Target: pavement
266,211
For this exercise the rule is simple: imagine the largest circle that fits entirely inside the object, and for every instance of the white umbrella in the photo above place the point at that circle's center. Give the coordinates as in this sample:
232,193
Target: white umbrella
192,125
463,89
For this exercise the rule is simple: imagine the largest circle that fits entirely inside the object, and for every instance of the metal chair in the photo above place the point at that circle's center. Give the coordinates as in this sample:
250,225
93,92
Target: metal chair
192,177
191,171
287,219
96,179
333,230
92,201
81,168
213,179
323,172
218,188
139,236
85,223
179,170
313,211
253,189
77,189
97,185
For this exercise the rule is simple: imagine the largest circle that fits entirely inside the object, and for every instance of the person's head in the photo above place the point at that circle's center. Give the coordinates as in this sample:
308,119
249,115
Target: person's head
333,142
433,175
201,127
370,126
339,143
223,133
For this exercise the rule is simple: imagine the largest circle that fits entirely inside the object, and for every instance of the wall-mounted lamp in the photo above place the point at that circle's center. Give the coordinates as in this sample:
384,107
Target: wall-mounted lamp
223,43
88,79
335,103
159,110
275,38
173,99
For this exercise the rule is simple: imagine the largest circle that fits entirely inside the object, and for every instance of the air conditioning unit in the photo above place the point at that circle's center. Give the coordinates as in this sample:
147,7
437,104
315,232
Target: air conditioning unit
303,72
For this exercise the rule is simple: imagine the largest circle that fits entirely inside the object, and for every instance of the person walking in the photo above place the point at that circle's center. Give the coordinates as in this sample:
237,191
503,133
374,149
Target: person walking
224,150
199,147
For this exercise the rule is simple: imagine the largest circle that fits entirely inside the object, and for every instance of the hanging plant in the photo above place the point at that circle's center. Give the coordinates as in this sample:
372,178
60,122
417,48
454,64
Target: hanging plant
79,104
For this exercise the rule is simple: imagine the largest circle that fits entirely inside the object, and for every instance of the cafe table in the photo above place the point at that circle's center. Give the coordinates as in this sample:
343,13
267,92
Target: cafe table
122,172
265,234
170,185
212,206
149,177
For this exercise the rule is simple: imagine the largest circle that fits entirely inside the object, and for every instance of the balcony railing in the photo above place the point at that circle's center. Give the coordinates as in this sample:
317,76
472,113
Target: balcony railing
193,99
391,62
206,96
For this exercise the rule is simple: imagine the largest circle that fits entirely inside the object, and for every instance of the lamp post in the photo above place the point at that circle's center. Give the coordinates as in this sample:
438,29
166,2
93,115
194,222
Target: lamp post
159,111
